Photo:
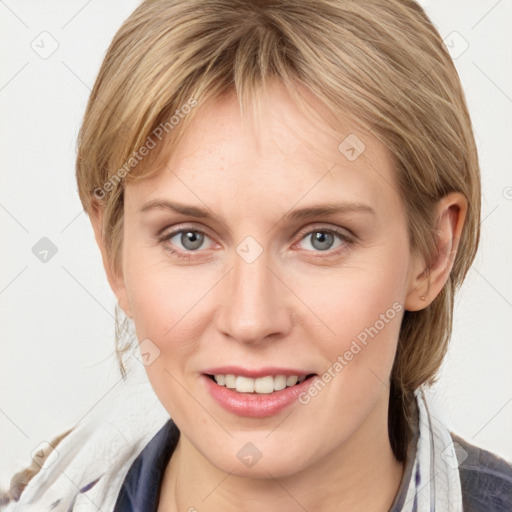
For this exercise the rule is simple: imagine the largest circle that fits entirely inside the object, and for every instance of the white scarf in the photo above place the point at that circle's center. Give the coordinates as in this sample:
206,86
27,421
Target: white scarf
103,447
435,482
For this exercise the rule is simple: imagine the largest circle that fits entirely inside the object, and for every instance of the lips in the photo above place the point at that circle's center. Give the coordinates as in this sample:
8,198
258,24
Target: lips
253,392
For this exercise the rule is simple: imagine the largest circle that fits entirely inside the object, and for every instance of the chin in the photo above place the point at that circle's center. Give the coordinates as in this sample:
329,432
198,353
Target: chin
263,459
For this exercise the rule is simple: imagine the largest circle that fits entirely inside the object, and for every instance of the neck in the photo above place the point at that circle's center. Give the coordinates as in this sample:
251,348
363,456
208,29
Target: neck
361,474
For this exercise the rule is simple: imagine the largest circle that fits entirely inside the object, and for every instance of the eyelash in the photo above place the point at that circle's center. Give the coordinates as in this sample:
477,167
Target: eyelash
347,240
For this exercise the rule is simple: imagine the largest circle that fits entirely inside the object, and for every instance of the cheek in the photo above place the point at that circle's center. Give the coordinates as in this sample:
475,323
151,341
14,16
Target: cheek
361,309
161,293
355,297
169,306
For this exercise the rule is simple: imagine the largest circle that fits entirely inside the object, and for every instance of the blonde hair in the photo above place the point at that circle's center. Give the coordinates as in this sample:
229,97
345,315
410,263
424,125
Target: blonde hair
382,61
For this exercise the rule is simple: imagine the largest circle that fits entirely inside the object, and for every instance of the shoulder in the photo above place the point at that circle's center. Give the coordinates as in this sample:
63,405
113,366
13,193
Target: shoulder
89,463
486,478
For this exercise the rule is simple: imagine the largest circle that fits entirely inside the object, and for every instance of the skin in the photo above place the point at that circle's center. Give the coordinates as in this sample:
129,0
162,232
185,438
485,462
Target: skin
294,306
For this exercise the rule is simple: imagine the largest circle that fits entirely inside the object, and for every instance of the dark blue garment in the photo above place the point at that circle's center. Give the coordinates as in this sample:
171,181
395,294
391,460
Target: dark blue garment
486,479
140,491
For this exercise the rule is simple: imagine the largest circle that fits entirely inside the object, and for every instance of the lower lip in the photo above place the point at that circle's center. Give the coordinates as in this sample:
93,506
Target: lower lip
255,405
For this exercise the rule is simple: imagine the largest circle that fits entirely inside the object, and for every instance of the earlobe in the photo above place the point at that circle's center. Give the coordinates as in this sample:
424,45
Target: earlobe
419,293
431,276
115,280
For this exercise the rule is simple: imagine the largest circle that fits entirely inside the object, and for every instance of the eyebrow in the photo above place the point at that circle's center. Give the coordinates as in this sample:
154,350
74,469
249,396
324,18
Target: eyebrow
300,213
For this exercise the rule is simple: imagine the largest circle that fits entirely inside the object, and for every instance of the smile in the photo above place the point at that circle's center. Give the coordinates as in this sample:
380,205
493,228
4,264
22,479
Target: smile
259,396
264,385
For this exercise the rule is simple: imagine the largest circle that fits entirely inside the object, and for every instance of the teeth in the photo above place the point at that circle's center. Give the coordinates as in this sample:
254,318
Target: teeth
244,384
229,381
291,380
280,382
267,384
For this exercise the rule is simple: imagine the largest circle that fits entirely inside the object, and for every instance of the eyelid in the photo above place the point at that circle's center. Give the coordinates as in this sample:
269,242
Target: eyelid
164,237
346,243
300,234
176,230
344,234
173,230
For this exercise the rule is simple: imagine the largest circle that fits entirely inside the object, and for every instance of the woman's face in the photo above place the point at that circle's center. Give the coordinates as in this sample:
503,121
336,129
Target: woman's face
253,274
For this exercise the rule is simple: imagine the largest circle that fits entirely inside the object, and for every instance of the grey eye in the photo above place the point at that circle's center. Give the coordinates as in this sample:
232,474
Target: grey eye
321,240
191,240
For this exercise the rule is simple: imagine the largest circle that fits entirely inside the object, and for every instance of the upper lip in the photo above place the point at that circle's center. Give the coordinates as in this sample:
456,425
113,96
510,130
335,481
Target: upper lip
255,372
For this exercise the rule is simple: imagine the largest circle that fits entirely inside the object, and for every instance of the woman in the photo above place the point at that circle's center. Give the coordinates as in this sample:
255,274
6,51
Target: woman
286,196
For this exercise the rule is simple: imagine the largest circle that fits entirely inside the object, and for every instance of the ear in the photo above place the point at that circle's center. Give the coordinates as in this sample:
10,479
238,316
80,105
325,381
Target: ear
115,279
428,278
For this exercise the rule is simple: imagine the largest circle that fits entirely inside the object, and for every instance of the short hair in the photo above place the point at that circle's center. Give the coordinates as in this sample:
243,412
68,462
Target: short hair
382,61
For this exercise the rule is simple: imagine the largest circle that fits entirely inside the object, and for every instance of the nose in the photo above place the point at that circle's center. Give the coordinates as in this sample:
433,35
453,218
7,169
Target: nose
255,303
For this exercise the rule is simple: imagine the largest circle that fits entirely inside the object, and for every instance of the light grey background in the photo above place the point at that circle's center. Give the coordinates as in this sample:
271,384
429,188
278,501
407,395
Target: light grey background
57,359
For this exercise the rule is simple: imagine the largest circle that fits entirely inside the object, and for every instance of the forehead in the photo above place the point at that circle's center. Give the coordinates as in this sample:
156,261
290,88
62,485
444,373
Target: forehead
284,156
